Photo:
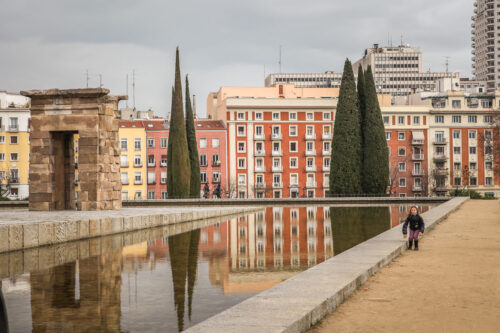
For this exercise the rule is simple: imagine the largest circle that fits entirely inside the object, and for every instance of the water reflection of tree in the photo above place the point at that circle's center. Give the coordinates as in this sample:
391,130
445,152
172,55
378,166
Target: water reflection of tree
4,322
354,225
183,250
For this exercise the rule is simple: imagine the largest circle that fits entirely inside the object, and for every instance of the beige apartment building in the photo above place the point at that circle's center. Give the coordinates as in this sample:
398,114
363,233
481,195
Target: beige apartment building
485,42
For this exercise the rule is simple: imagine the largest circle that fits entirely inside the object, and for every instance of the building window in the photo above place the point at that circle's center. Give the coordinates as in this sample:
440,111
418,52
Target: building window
163,161
326,163
138,195
472,150
151,142
215,143
456,119
473,181
488,135
456,150
326,147
242,179
276,116
456,104
151,160
137,144
241,130
402,182
124,161
293,163
488,119
2,139
163,142
402,166
456,134
241,147
293,130
151,177
241,163
241,116
14,157
326,115
137,178
402,151
401,120
216,177
163,177
472,119
387,136
416,120
137,161
457,181
294,179
164,194
472,134
203,142
439,119
258,115
293,115
124,178
310,146
472,166
2,156
488,166
401,136
123,144
203,160
203,175
151,195
488,181
13,140
293,146
386,120
215,160
457,166
310,116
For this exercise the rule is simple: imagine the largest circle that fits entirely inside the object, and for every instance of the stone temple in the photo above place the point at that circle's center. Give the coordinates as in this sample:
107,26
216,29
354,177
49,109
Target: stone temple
56,117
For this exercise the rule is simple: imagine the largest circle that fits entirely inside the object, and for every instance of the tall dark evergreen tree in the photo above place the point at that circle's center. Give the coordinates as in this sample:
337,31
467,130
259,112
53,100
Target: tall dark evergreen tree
345,167
178,164
375,152
169,146
361,94
195,183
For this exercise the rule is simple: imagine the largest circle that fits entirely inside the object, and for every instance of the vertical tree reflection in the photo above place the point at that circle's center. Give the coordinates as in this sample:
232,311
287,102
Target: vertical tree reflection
4,322
192,266
354,225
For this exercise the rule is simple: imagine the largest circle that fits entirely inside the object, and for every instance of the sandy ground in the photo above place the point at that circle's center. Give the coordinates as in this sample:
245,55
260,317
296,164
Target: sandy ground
451,285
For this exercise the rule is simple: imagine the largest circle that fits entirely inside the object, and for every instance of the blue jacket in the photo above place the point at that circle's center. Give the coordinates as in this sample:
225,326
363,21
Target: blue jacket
416,223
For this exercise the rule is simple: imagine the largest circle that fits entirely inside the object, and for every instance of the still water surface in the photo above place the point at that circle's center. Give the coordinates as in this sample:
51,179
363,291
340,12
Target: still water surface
171,283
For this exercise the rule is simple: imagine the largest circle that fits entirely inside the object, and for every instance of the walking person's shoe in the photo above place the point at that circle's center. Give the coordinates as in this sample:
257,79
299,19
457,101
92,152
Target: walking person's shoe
410,243
416,245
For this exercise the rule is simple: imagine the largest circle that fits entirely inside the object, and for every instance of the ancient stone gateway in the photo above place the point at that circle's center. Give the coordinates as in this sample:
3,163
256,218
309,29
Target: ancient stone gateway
56,117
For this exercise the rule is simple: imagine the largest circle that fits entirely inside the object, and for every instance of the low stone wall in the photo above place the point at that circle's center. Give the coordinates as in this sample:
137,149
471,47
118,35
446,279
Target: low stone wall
299,302
22,229
29,260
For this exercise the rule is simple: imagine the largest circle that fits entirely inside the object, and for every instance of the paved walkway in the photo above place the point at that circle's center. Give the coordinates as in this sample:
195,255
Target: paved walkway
451,285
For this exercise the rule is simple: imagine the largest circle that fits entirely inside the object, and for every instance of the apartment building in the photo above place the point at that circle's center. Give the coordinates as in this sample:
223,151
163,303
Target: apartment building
485,42
306,80
14,145
133,159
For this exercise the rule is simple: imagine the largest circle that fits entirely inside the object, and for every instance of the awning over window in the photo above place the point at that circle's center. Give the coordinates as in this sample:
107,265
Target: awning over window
417,135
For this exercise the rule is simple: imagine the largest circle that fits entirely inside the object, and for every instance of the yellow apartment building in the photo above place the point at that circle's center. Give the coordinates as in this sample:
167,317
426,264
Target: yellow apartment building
133,160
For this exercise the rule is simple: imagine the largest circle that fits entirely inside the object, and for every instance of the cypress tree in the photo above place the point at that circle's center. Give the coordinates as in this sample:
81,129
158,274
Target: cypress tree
375,152
195,182
169,147
361,94
178,164
345,166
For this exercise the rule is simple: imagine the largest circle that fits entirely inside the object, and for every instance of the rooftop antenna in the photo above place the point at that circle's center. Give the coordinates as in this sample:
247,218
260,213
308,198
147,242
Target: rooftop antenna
447,62
87,78
133,88
279,62
401,40
194,106
100,80
126,89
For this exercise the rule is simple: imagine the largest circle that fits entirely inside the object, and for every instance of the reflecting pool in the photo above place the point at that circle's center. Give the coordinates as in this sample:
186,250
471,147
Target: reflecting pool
166,284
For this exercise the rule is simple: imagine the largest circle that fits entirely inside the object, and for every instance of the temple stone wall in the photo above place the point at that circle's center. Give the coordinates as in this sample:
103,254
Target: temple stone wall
56,115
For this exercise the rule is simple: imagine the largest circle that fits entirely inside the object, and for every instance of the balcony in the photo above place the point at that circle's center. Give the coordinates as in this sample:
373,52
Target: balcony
215,164
440,157
417,157
441,172
276,136
164,164
417,188
164,181
152,182
13,128
278,185
260,185
260,168
326,168
138,165
217,181
124,165
278,168
417,142
260,153
277,152
311,168
327,152
259,136
151,164
441,188
311,152
310,136
417,173
326,183
326,136
440,141
138,182
311,184
13,180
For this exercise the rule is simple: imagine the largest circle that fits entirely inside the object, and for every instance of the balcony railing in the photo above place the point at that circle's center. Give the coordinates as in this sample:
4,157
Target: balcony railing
311,168
417,157
260,168
278,185
217,181
416,188
417,142
151,164
260,185
326,136
277,152
125,182
327,152
416,172
440,141
14,180
326,168
311,152
310,136
138,182
276,136
137,165
164,164
164,181
13,128
440,157
441,172
151,182
216,164
261,152
124,165
277,168
259,136
311,184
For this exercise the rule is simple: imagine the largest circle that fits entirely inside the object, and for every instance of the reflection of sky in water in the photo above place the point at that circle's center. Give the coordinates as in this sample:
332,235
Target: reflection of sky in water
132,289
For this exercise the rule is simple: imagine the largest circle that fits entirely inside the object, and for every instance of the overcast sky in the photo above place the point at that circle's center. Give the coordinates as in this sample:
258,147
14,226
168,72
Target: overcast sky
52,43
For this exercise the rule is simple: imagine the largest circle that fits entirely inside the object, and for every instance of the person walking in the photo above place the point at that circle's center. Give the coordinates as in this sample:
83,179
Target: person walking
417,227
206,191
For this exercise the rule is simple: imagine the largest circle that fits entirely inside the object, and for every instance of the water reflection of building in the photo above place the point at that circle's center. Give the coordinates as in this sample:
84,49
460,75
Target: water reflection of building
82,296
400,212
